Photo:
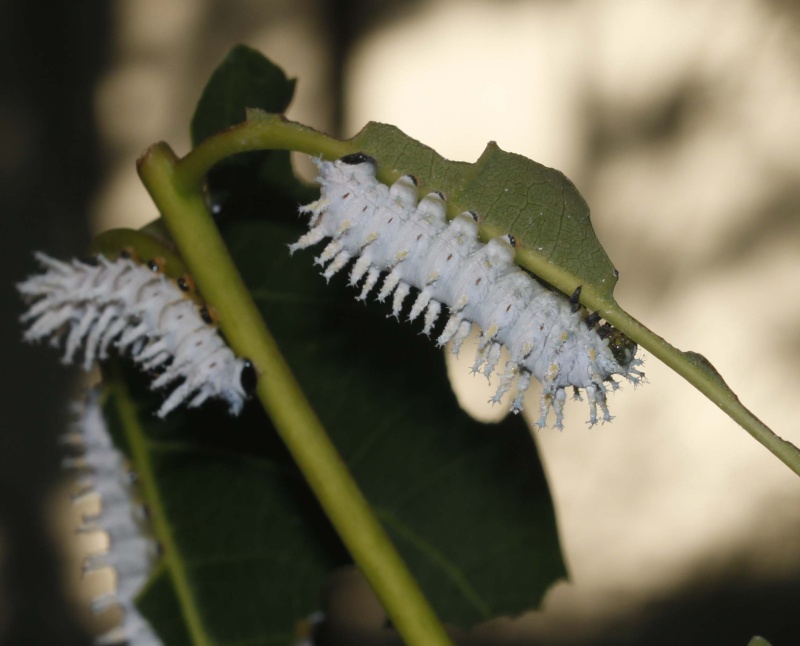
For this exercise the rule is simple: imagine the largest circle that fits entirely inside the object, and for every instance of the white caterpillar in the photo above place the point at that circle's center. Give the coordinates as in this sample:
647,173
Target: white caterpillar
389,229
103,303
131,552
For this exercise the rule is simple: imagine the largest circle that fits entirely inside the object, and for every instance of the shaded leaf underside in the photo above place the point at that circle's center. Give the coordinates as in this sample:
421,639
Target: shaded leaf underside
466,503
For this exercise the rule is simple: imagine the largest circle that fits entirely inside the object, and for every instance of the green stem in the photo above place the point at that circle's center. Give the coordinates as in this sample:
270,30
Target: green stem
140,453
261,131
174,189
268,131
708,382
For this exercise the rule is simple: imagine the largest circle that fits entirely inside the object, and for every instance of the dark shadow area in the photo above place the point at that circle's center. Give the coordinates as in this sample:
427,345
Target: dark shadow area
727,613
48,172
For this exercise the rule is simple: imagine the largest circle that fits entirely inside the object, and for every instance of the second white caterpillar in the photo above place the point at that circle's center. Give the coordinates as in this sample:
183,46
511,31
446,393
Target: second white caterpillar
103,303
388,229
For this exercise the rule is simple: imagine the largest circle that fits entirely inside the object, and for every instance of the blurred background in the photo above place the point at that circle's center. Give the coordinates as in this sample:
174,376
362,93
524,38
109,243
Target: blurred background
678,121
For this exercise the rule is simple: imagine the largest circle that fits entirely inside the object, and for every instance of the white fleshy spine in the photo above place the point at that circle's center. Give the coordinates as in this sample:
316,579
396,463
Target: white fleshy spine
388,229
124,304
130,553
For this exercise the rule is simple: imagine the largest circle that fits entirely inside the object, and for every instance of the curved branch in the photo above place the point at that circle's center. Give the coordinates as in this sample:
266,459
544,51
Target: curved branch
174,189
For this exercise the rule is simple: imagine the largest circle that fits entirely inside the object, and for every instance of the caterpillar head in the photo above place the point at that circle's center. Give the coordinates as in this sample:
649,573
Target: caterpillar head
622,348
248,377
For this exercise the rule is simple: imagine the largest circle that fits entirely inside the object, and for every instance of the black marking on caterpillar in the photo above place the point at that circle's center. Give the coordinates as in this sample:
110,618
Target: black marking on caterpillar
388,229
592,320
116,302
574,300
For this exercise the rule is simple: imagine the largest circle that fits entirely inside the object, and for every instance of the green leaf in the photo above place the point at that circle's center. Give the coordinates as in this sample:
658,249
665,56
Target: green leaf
466,503
160,604
244,79
241,185
246,550
513,195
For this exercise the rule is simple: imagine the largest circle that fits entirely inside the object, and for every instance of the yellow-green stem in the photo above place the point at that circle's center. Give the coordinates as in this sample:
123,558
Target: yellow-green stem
268,131
261,131
711,387
135,437
179,199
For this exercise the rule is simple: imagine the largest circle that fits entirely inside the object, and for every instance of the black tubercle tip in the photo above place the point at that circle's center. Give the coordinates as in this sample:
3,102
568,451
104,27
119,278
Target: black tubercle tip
441,195
249,377
592,320
206,316
474,215
604,330
573,300
357,158
413,179
512,241
183,284
153,265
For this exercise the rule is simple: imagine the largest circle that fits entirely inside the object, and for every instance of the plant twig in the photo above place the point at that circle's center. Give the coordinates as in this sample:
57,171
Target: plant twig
135,437
175,189
269,131
707,381
261,131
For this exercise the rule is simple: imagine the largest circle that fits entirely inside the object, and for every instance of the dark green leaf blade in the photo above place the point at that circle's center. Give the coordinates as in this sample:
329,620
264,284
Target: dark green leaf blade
246,549
466,503
242,185
159,603
244,79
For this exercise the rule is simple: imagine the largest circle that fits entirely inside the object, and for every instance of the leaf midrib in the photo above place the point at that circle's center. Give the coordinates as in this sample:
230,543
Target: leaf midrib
447,568
171,558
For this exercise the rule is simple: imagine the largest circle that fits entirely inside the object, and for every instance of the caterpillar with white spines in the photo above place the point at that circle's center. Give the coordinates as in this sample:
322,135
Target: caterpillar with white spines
131,552
113,301
389,230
